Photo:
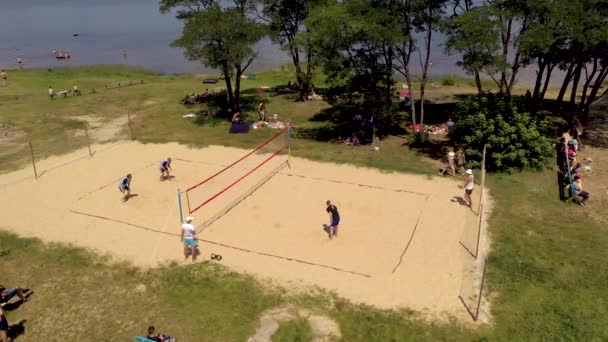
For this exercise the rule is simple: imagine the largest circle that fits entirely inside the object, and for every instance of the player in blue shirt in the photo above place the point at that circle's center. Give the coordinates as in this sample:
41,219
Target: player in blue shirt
334,217
125,187
165,167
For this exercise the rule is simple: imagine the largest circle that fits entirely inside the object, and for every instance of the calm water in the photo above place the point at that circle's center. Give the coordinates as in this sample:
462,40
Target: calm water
34,28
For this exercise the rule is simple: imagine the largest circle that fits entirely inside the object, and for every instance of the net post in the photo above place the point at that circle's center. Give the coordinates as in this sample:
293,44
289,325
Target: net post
130,126
289,147
188,202
86,133
179,201
33,160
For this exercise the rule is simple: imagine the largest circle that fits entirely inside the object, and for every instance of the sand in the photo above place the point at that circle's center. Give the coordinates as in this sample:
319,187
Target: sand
398,243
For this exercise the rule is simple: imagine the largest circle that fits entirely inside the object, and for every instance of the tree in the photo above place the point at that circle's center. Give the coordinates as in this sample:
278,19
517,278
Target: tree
356,41
405,47
582,54
427,17
286,20
514,140
472,33
219,37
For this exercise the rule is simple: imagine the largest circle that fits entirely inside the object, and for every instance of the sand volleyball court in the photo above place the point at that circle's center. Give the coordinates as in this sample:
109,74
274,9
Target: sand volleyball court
398,243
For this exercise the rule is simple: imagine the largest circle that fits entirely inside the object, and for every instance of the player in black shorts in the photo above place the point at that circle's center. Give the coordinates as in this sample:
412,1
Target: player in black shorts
165,167
334,217
125,187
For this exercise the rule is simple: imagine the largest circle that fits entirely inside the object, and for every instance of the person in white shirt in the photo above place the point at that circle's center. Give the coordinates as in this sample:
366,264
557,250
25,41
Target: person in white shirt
189,239
469,185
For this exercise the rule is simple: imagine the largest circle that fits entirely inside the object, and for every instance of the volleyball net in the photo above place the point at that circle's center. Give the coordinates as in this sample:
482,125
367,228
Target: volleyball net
219,193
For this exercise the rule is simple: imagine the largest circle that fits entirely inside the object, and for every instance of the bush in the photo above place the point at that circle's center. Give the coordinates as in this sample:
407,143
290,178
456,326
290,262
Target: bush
449,80
514,140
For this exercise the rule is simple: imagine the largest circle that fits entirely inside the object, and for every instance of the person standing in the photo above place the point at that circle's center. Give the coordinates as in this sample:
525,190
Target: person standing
4,77
450,123
19,63
469,185
461,160
262,111
189,239
334,219
165,167
451,164
51,92
125,187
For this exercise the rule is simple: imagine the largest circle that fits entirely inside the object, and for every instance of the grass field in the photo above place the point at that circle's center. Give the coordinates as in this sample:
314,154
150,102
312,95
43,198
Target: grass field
547,271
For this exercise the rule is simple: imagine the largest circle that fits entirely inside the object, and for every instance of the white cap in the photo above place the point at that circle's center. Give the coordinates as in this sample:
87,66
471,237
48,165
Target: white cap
189,218
469,172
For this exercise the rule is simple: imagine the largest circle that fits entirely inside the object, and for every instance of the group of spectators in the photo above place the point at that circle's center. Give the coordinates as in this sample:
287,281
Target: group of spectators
75,91
193,98
6,295
362,131
456,162
570,171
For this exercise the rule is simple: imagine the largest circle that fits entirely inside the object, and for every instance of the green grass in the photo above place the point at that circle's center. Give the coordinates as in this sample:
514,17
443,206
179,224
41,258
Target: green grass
297,330
547,271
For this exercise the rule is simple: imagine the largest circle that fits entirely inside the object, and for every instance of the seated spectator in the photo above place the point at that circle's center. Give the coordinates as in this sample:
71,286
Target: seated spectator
236,118
6,294
576,169
577,190
152,335
571,157
75,90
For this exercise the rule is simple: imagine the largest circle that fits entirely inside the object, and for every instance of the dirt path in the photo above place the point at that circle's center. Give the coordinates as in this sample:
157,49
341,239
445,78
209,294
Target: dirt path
323,328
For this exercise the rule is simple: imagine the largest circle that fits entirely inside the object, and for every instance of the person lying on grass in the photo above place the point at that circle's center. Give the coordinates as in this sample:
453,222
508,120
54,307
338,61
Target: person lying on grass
153,336
6,294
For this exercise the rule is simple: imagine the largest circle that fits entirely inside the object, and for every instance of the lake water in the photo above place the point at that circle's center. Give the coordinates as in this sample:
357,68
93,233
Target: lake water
35,28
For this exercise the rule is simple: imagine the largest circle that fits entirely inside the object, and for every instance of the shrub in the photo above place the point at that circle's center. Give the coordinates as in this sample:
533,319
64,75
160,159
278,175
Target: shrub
514,140
449,80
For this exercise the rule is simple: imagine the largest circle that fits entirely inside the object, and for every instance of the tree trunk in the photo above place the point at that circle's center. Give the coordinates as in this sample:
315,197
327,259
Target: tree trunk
506,41
515,66
550,68
295,56
588,79
389,78
229,90
577,77
567,79
539,78
406,55
237,91
596,87
429,36
307,86
478,83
